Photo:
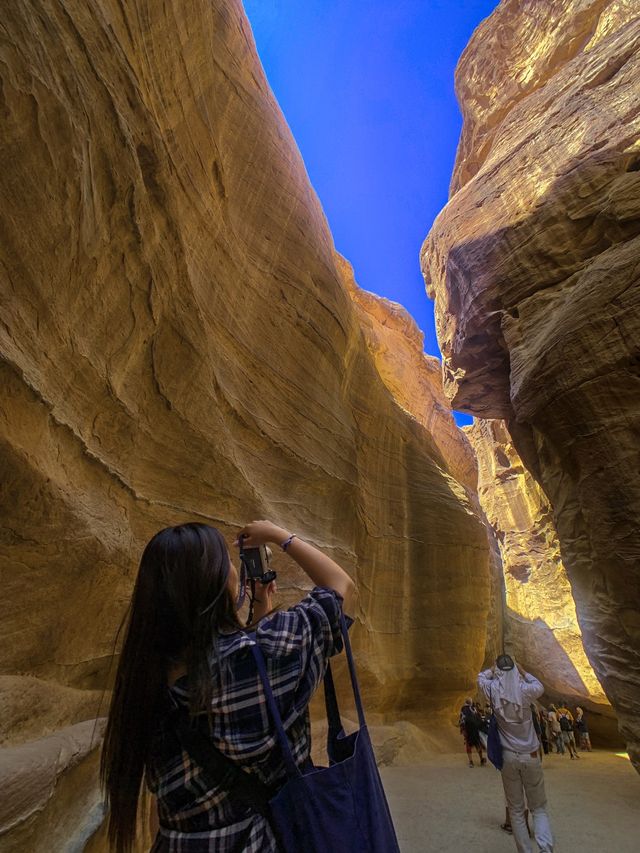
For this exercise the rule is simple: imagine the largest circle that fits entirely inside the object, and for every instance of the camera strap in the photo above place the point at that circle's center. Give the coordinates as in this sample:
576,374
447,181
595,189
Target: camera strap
252,600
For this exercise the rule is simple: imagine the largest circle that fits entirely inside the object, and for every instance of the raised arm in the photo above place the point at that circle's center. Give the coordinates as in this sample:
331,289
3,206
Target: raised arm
322,570
531,688
484,681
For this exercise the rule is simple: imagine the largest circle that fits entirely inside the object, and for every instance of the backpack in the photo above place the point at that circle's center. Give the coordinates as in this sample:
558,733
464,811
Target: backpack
565,723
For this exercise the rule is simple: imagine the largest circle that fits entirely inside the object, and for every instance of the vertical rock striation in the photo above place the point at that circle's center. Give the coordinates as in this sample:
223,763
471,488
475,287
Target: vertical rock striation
178,343
540,623
533,265
415,382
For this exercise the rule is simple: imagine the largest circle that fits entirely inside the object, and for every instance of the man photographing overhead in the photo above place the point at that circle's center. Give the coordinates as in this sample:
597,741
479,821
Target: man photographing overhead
511,690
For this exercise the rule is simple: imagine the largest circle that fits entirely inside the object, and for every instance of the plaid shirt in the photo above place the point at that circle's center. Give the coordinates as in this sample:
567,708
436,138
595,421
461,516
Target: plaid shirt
296,643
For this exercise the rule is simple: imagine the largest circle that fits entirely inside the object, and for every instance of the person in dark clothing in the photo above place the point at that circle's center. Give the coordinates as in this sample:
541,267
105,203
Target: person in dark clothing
582,730
186,655
565,718
544,730
535,719
471,723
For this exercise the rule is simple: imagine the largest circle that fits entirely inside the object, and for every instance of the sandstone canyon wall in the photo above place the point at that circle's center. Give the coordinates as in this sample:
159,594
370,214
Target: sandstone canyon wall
415,381
540,624
533,265
178,343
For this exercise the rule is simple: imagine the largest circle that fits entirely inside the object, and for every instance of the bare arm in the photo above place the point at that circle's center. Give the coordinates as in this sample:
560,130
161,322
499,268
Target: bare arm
322,570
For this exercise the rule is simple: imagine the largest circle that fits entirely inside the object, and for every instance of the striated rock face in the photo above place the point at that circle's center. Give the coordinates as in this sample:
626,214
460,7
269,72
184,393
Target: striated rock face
413,378
48,791
534,268
540,623
178,343
415,381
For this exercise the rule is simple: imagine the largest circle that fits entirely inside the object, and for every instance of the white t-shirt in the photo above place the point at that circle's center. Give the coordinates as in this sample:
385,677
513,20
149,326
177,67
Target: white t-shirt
516,736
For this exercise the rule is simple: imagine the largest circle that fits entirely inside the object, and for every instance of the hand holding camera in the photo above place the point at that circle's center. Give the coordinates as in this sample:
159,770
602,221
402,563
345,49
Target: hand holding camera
254,554
254,565
320,568
260,533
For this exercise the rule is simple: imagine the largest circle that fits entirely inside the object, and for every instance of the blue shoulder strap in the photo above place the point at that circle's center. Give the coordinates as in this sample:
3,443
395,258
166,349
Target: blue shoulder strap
331,702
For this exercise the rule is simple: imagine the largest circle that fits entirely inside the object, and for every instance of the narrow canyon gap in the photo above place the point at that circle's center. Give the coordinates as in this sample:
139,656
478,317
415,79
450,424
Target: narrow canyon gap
533,265
181,341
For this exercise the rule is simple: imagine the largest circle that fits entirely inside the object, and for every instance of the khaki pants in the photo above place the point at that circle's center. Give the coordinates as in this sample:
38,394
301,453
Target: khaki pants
522,776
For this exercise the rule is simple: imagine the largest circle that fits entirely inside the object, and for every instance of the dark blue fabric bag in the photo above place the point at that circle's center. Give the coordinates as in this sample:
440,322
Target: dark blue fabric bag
337,809
494,744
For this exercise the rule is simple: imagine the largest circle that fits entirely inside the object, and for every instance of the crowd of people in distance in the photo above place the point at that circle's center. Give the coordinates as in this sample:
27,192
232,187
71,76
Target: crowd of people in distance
557,728
516,731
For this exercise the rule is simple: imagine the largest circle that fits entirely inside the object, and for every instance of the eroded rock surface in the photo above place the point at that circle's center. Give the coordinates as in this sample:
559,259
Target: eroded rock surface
49,791
178,343
533,265
540,623
413,378
415,382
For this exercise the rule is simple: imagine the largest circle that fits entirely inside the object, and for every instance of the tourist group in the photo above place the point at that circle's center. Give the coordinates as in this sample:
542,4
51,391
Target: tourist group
515,731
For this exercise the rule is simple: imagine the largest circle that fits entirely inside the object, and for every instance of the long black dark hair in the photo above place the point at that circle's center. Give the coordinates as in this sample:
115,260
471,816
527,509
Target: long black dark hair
181,602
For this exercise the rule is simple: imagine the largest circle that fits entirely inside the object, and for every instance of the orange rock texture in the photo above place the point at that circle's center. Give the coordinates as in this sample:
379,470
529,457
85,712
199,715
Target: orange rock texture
533,266
178,342
415,381
540,623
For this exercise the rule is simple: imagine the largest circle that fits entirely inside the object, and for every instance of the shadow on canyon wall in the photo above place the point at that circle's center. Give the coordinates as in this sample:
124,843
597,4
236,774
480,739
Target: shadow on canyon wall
547,336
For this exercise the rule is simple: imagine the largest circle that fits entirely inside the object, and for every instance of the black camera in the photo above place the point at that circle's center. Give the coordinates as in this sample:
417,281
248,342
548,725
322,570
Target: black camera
255,562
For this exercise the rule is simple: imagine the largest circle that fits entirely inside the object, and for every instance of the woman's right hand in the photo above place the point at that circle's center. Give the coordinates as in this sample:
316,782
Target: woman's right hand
322,570
260,533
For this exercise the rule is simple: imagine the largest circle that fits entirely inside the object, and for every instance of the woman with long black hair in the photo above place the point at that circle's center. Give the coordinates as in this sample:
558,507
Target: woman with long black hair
185,654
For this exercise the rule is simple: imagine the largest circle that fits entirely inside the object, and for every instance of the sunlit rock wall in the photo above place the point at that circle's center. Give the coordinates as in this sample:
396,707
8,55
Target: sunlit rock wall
540,623
533,266
415,381
178,343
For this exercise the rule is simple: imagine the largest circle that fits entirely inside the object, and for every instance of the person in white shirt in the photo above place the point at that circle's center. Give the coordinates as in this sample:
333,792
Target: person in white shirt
511,690
556,731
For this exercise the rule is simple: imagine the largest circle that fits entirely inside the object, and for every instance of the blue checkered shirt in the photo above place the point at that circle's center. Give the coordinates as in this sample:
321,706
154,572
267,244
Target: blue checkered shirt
296,644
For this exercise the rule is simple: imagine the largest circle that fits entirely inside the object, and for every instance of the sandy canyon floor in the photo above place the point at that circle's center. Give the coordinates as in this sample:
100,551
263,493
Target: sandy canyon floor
446,807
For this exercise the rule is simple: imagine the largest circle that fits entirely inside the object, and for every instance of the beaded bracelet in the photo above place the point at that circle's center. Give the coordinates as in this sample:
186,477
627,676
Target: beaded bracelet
288,541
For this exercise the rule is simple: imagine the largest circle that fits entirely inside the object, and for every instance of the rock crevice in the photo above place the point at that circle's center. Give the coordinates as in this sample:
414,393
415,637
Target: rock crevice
533,266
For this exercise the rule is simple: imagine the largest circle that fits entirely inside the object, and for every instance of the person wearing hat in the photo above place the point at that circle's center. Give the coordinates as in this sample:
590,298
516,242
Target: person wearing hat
511,690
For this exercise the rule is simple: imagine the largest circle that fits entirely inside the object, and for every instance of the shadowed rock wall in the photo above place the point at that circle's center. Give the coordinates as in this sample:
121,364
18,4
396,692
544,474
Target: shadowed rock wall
533,265
178,343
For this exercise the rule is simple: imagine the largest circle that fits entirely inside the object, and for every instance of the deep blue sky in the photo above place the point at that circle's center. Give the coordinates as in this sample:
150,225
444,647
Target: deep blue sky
367,89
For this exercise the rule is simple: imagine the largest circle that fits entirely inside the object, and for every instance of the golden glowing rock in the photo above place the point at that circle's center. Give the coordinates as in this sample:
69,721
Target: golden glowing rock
540,623
533,265
414,379
178,343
